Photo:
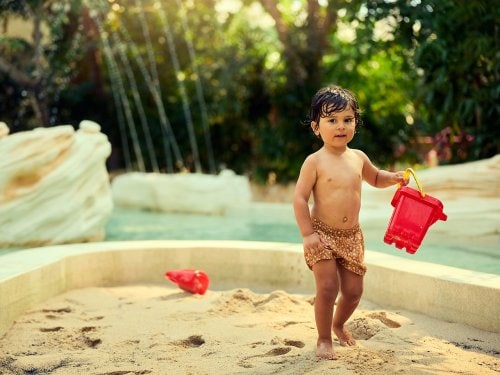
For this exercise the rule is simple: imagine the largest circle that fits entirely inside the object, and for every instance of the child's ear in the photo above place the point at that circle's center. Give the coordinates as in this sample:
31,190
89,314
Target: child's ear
315,127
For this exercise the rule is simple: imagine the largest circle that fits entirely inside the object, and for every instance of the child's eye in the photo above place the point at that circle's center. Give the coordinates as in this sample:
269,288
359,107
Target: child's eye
333,120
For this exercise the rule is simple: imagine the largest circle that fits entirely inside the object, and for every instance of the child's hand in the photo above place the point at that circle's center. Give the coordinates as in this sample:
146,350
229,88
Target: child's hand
399,178
313,242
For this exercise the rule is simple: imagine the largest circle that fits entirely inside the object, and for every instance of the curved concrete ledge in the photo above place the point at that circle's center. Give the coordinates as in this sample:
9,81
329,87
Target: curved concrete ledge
31,276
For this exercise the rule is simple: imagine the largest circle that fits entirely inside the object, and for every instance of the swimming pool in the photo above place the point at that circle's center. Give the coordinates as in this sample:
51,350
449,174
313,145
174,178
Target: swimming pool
477,249
275,222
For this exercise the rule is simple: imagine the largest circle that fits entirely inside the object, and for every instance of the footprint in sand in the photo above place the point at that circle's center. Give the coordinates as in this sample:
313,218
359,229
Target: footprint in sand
275,352
382,316
296,343
128,344
271,353
253,345
193,341
54,314
88,329
281,325
50,329
58,311
94,318
91,342
82,337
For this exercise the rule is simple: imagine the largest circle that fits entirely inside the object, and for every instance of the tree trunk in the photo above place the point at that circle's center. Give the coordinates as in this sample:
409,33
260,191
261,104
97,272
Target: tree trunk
304,59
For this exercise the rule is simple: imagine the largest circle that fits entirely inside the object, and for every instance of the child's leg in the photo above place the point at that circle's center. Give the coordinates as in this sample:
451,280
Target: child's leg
327,287
351,289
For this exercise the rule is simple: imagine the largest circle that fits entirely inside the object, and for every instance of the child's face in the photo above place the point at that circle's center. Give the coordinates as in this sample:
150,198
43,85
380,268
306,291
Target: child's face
336,129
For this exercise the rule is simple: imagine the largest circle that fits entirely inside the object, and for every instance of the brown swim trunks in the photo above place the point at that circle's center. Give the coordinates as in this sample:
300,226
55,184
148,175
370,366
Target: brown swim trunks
347,246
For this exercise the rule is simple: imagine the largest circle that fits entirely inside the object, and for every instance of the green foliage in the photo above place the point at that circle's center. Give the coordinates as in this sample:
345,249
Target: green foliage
35,70
454,47
433,73
376,74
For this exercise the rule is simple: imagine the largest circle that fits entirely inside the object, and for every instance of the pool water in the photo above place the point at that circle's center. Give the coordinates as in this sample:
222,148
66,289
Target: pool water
276,223
127,224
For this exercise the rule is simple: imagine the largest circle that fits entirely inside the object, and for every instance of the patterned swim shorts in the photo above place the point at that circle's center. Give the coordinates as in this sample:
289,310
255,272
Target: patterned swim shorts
347,246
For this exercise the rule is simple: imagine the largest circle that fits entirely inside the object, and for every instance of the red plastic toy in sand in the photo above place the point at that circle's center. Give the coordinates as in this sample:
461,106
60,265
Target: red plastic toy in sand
414,212
193,281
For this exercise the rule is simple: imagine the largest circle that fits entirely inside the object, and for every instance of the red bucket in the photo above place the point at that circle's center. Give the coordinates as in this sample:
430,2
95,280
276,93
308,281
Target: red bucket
414,212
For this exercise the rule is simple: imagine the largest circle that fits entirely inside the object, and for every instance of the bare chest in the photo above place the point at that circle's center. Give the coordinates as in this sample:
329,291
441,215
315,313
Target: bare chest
347,174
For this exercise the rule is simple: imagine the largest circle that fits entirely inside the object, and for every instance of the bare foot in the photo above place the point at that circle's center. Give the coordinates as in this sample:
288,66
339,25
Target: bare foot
344,336
324,350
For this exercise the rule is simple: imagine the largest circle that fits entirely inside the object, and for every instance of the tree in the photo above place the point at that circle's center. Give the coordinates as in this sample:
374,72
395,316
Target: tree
39,69
453,46
304,31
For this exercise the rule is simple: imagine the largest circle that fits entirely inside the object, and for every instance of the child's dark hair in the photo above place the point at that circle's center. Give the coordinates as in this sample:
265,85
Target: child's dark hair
331,99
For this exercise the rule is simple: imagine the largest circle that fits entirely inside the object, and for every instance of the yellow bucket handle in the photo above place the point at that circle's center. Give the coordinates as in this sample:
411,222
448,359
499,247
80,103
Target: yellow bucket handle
406,175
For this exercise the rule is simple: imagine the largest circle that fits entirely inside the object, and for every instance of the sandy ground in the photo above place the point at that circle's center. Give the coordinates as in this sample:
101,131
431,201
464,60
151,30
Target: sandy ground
158,329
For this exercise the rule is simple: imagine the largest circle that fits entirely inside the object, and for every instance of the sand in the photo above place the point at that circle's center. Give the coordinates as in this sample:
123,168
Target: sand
159,329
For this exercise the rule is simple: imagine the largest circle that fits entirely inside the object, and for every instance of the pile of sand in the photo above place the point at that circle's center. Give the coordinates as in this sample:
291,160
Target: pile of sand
146,329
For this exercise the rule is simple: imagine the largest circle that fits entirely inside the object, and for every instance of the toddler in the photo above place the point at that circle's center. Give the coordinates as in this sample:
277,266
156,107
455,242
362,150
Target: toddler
332,238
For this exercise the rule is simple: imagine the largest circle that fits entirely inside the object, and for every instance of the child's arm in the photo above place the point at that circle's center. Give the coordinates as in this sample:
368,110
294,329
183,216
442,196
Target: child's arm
378,177
384,178
303,189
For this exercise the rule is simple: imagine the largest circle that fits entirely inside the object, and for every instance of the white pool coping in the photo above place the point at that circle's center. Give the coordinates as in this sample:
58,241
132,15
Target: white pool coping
442,292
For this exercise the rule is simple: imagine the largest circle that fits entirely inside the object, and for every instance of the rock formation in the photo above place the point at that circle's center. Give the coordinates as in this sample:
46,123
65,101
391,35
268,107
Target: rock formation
54,186
182,192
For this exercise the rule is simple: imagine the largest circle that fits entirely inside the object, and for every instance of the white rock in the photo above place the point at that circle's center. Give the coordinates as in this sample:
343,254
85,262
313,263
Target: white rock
473,179
54,186
88,126
181,192
4,129
478,177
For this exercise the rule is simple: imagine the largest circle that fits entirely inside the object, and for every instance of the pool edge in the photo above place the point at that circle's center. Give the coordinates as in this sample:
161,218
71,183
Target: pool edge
441,292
